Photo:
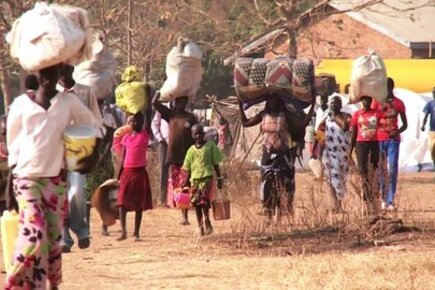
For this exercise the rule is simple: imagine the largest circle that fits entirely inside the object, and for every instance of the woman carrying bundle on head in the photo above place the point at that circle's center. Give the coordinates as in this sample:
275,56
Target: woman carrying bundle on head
282,131
179,140
134,186
365,124
35,128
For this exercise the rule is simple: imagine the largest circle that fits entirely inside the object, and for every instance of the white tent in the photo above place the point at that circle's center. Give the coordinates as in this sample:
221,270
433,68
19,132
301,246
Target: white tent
414,148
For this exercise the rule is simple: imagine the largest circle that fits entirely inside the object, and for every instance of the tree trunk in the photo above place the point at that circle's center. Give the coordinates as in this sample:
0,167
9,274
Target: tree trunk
5,85
129,33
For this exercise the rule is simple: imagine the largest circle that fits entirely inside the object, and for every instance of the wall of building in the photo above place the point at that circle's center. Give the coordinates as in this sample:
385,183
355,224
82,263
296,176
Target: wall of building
340,36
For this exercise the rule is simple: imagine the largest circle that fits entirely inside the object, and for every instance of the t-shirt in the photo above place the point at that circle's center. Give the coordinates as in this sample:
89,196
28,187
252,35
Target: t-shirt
200,161
429,108
180,135
387,125
136,144
366,124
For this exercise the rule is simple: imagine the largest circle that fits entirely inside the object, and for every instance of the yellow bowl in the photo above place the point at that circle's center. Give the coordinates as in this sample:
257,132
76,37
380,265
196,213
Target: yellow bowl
79,142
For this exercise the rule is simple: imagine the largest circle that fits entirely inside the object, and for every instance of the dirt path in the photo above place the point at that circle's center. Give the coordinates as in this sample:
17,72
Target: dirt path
172,257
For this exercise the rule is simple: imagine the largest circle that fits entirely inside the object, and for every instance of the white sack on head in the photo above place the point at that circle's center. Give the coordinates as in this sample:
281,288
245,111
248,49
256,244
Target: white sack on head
183,72
50,34
99,71
368,78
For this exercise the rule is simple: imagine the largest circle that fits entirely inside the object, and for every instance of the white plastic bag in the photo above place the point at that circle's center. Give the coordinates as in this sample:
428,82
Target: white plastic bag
316,168
50,34
368,78
183,72
99,71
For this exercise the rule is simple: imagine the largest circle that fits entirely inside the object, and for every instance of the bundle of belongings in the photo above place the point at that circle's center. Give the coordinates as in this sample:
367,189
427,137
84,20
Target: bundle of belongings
132,95
368,78
325,84
183,71
99,72
50,34
290,79
104,200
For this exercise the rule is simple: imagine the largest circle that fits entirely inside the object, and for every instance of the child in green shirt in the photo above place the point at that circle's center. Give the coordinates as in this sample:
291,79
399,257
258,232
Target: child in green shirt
201,161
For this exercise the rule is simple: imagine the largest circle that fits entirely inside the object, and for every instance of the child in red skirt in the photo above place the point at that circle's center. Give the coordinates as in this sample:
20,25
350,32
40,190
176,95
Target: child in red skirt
134,191
202,160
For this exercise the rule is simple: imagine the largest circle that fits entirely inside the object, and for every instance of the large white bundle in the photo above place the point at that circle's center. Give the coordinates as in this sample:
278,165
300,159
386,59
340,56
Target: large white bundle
183,71
50,34
368,78
99,71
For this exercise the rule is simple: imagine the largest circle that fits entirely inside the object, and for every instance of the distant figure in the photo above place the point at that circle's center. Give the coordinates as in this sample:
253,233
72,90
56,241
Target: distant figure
161,132
179,139
282,131
77,197
310,137
201,161
225,138
321,114
134,186
389,143
429,110
336,156
365,123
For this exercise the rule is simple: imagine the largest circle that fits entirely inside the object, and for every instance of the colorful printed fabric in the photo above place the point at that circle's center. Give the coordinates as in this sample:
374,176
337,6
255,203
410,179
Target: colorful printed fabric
200,161
303,79
37,255
335,157
200,195
275,131
178,176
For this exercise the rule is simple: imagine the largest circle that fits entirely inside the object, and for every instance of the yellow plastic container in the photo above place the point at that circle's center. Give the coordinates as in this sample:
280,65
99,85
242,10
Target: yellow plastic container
9,231
79,142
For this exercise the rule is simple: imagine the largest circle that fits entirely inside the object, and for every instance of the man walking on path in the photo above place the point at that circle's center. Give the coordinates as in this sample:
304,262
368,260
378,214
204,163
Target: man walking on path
160,130
429,109
77,197
389,142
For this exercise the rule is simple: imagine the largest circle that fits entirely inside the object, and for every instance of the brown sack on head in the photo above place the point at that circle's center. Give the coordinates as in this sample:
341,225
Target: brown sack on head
105,203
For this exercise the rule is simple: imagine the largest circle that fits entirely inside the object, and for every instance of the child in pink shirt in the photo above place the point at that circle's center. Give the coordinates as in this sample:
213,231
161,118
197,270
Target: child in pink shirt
134,190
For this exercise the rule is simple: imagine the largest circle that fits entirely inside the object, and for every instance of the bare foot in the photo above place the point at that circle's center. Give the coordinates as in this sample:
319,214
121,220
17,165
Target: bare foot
208,230
105,233
137,239
122,237
184,223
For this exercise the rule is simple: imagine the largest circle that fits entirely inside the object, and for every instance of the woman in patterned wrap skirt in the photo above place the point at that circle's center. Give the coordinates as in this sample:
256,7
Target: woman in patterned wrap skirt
336,155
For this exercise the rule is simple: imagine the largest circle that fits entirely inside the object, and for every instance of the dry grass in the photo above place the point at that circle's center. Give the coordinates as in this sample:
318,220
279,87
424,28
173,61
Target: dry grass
315,249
